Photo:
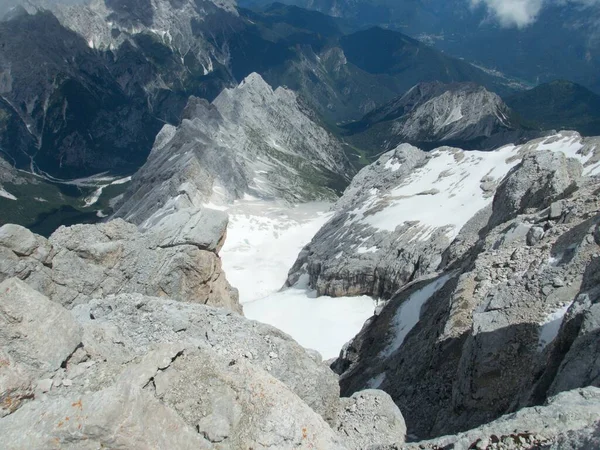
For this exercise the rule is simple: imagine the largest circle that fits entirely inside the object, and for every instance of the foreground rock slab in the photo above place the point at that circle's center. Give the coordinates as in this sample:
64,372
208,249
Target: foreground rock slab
137,372
85,261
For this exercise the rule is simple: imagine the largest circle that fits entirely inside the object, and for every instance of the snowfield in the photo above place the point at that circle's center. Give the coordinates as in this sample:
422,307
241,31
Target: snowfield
446,192
263,241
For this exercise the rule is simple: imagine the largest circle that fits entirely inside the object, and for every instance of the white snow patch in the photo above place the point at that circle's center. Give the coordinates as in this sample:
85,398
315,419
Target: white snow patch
211,205
453,191
376,382
6,194
121,181
89,201
321,323
551,326
263,242
592,170
363,250
409,313
393,165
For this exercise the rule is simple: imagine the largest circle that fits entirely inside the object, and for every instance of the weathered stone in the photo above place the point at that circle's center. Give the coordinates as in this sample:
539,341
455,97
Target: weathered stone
120,416
370,417
201,228
237,405
556,211
125,319
37,332
535,235
18,239
15,384
539,427
177,260
542,178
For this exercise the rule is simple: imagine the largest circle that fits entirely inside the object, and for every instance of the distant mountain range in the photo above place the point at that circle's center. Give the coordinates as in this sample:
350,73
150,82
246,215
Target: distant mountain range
564,41
99,81
112,78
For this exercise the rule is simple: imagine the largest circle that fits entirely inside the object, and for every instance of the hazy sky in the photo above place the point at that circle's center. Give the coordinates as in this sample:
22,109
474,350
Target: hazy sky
521,13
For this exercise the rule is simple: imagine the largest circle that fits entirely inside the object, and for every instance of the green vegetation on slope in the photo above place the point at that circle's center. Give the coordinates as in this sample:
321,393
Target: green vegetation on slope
559,105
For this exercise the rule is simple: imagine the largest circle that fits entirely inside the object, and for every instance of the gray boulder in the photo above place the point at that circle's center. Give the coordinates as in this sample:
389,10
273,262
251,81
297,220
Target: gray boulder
542,178
369,417
18,239
35,331
16,384
139,322
120,416
234,404
177,259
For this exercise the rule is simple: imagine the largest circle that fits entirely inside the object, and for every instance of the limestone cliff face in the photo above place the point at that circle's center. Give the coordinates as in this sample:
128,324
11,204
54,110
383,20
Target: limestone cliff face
508,316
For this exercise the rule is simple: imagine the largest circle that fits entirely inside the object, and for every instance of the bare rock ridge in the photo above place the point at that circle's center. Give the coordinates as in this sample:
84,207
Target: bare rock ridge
251,140
462,114
400,214
505,319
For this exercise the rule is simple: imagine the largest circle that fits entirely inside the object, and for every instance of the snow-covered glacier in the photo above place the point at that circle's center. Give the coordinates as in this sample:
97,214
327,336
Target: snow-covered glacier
263,241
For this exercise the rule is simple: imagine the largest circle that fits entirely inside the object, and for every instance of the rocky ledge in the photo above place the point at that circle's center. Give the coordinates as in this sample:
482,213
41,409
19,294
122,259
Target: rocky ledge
111,337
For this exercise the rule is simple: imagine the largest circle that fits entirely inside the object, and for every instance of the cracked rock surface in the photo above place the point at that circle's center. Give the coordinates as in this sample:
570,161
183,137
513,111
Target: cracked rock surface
177,258
137,372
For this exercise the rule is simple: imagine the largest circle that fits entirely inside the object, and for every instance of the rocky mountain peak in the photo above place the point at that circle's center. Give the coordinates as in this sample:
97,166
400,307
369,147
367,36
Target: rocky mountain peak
437,113
250,141
108,24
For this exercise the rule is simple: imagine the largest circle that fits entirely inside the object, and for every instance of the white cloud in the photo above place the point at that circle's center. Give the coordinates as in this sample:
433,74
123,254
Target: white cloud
521,13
